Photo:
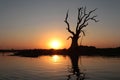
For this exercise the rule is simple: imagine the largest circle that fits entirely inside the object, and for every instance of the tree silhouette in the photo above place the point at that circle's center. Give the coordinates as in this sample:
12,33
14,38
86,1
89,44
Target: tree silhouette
83,18
75,70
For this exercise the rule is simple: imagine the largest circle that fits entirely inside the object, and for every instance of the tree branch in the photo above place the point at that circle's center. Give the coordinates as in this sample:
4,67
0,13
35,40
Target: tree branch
68,26
83,32
82,21
69,37
81,15
87,18
93,18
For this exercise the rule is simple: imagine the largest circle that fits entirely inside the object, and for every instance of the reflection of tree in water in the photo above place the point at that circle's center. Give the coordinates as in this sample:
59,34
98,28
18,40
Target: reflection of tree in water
75,71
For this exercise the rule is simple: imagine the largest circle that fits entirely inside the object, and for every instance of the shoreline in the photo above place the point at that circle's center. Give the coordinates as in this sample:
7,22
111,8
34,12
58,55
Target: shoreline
79,51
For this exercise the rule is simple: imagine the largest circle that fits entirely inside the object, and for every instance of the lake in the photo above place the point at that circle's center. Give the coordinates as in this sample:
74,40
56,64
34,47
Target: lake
58,67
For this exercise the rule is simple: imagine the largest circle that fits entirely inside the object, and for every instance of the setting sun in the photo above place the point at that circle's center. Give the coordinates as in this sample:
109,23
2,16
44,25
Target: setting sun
55,44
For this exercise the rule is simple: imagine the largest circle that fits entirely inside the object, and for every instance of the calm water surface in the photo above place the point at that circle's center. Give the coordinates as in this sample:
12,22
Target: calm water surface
58,67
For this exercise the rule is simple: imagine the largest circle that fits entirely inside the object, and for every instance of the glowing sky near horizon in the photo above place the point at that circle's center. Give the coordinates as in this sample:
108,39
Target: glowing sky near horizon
33,23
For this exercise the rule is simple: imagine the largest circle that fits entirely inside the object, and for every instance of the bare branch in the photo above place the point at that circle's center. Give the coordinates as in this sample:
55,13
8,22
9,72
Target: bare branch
93,18
81,15
66,15
68,26
90,13
82,21
80,10
83,26
69,37
83,32
87,18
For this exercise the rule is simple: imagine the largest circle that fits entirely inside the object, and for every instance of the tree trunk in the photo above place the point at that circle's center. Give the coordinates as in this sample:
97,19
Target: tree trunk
74,43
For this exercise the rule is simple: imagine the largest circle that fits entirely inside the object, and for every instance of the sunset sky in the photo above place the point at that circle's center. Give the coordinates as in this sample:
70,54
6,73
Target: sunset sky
29,24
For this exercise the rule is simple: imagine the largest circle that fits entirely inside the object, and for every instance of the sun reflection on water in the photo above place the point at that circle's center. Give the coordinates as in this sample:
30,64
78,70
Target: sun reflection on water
55,58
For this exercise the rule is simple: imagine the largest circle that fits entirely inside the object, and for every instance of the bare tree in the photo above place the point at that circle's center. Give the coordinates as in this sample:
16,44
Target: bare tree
83,18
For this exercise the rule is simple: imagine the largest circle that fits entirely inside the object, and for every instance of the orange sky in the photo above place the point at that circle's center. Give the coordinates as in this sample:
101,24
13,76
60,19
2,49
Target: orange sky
34,23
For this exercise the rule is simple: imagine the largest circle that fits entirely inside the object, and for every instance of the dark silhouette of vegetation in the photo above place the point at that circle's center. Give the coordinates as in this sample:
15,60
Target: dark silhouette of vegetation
82,21
37,52
80,50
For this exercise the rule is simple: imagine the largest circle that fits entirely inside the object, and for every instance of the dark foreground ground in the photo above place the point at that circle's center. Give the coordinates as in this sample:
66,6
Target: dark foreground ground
81,50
